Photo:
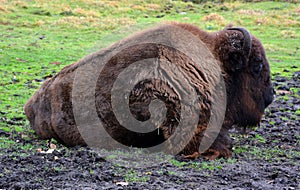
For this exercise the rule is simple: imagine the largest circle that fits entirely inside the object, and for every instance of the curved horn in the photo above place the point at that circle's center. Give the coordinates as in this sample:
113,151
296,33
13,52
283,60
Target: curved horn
247,40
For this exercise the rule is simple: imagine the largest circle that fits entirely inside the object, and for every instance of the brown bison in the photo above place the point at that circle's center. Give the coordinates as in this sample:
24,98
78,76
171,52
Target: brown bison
243,64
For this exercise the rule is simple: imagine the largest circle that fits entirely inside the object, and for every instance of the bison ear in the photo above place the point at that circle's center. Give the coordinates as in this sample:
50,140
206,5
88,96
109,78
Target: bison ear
234,48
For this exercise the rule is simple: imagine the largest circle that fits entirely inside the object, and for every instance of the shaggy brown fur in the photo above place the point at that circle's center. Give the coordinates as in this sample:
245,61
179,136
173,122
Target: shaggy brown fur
247,78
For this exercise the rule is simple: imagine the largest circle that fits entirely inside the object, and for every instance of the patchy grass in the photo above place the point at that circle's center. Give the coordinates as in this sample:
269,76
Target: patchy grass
133,176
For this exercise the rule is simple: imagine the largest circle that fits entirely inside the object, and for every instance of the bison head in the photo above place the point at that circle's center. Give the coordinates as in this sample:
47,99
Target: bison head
247,75
246,71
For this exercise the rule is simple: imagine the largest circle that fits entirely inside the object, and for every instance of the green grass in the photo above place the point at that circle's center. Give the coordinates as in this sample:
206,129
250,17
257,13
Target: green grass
259,138
29,148
6,143
271,154
36,34
132,176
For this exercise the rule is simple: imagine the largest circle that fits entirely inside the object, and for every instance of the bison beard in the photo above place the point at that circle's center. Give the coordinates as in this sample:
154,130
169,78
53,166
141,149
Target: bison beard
249,92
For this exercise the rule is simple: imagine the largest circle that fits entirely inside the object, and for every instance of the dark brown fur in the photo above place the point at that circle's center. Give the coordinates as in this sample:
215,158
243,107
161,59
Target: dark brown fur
249,92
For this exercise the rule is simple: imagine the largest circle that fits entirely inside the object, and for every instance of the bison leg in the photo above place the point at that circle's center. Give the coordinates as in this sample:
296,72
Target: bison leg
219,151
192,156
221,148
212,154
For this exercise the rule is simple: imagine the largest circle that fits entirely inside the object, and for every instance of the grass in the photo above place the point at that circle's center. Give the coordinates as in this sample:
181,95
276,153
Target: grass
132,176
269,154
259,138
39,38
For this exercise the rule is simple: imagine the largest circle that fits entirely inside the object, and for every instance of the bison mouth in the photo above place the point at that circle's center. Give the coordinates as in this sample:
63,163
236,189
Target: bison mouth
249,122
269,96
246,122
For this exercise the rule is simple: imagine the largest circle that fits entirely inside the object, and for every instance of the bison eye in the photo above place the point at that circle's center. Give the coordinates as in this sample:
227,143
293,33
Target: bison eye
257,68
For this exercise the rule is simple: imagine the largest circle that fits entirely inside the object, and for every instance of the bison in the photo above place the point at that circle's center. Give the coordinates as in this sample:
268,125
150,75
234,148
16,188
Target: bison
239,54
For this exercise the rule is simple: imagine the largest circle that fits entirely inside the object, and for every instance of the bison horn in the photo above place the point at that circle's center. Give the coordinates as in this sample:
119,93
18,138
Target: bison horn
247,42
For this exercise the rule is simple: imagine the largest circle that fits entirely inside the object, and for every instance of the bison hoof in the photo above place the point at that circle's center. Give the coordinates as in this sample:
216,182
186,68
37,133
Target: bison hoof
192,156
219,152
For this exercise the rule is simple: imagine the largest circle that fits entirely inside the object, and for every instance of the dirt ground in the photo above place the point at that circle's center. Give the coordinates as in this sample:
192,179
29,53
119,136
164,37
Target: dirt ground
267,158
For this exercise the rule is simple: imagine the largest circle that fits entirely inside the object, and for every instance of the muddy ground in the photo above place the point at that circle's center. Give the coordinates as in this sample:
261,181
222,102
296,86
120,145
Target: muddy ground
267,158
